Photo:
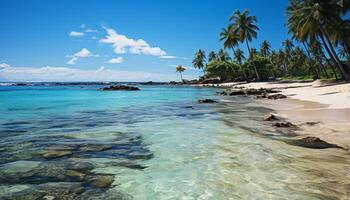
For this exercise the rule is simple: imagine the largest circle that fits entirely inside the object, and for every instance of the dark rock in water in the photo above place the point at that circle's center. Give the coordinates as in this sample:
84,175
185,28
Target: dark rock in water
223,93
271,117
119,87
277,96
100,181
189,82
175,83
285,125
191,107
75,174
312,142
237,92
261,93
206,101
211,81
50,191
312,123
94,148
49,154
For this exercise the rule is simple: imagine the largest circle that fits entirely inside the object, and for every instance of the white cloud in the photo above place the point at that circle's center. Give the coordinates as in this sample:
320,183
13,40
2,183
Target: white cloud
4,65
100,69
123,44
83,53
76,34
49,73
167,57
116,60
91,30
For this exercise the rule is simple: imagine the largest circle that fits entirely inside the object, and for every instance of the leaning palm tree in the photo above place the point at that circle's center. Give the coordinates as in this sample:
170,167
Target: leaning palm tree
199,59
245,27
312,19
265,48
180,69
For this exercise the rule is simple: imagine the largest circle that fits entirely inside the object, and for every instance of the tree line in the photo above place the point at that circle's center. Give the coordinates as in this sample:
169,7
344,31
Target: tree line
319,46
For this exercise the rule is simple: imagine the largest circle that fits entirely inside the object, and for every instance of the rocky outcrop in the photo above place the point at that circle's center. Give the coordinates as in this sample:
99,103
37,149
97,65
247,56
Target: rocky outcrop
312,142
206,101
119,87
285,125
271,117
276,96
211,81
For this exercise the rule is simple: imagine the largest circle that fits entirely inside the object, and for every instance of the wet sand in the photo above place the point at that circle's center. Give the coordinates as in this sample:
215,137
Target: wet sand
331,125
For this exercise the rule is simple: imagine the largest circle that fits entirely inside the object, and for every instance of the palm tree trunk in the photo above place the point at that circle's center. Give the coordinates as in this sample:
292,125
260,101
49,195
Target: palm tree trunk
318,60
329,52
256,71
332,67
341,66
181,77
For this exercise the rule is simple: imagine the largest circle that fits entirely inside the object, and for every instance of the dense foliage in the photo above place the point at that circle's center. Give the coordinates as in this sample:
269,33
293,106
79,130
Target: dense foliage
319,47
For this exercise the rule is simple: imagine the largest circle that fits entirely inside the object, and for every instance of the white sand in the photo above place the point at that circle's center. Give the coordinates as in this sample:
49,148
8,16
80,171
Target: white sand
327,103
335,95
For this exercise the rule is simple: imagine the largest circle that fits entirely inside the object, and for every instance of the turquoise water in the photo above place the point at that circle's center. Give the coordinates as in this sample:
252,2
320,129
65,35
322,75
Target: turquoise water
156,143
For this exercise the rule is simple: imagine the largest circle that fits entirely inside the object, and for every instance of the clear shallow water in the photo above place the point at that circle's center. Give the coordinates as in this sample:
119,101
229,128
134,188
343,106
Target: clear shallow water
160,144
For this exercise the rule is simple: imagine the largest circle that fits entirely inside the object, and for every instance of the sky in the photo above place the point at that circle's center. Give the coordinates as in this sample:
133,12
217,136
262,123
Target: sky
120,40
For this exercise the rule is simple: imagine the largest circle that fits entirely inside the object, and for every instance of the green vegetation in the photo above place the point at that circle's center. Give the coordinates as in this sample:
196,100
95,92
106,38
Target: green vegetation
319,47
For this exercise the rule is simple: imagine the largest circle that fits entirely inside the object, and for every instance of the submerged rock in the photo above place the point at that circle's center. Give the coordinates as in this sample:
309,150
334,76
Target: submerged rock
57,190
206,101
75,174
49,154
271,117
95,147
285,125
312,142
119,87
276,96
312,123
100,181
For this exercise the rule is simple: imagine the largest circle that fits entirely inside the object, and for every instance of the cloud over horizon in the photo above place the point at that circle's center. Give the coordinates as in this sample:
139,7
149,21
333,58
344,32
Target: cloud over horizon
49,73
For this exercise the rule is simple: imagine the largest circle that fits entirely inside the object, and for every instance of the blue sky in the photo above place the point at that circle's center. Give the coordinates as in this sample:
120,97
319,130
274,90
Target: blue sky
119,40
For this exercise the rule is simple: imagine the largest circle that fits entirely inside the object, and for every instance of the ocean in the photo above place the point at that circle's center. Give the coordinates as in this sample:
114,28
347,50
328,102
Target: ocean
64,141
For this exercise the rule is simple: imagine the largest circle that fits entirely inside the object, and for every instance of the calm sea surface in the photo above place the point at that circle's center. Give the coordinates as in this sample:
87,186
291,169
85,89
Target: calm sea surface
156,143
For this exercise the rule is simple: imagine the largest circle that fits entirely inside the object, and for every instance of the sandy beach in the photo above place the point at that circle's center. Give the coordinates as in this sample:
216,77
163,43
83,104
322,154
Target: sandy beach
327,104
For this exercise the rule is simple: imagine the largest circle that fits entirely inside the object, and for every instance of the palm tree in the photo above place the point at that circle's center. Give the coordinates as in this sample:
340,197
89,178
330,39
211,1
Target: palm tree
211,56
288,48
229,37
180,69
265,48
245,27
239,56
312,19
199,59
223,56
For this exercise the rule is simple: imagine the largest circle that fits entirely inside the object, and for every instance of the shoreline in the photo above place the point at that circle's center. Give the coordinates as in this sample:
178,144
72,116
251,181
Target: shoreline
325,105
